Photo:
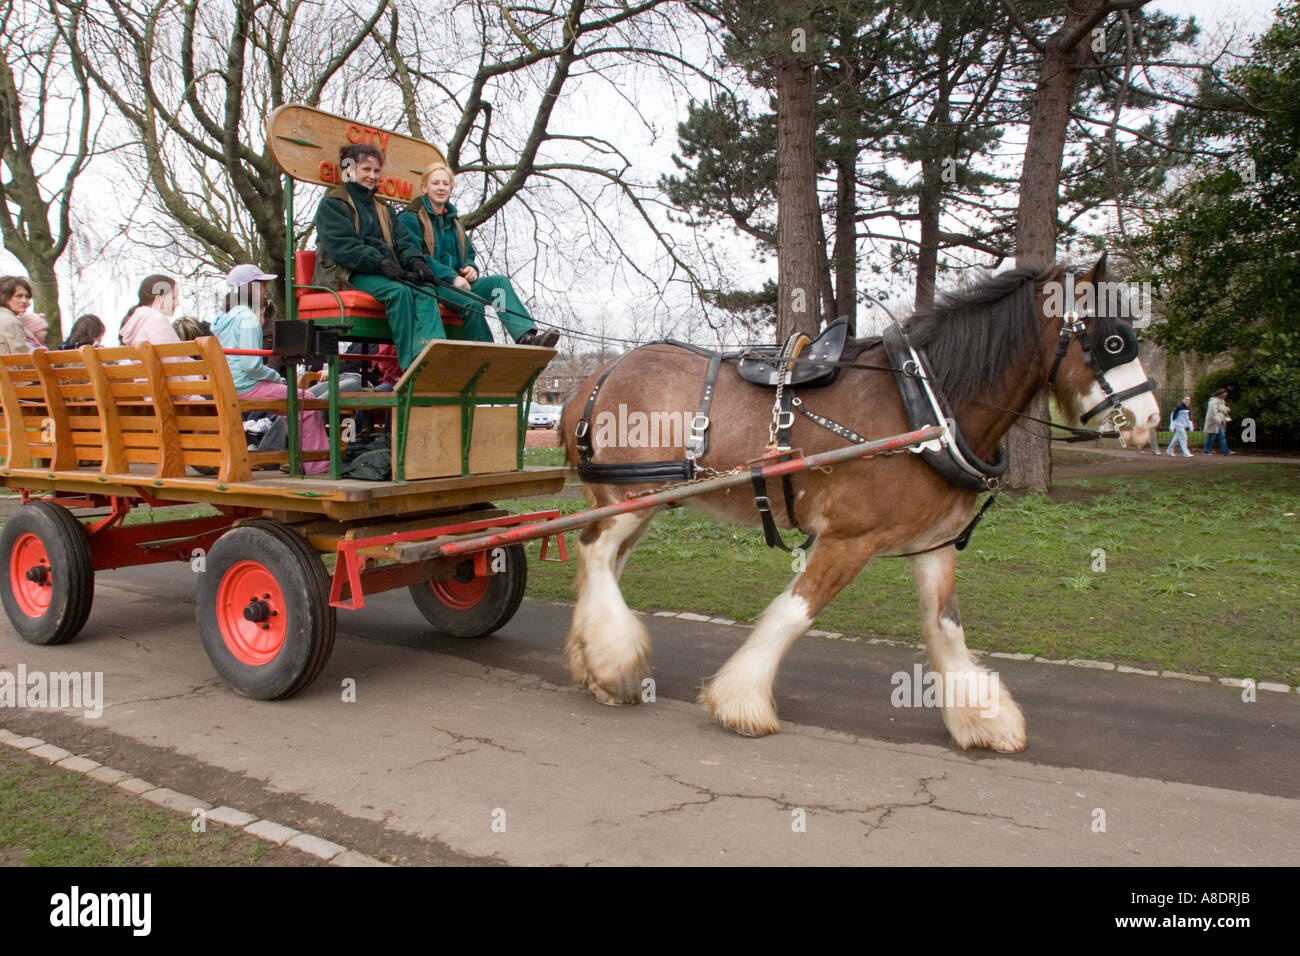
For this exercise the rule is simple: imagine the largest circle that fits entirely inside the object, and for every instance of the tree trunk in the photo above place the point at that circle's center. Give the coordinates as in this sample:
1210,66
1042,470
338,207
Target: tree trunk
799,249
846,227
1029,442
928,208
845,259
45,298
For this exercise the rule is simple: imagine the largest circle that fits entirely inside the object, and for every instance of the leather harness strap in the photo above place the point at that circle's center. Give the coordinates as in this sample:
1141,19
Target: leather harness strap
763,503
1114,399
582,434
848,434
697,442
621,473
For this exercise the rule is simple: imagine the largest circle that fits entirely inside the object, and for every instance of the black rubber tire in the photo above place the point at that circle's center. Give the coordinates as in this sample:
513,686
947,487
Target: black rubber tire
311,622
505,591
72,573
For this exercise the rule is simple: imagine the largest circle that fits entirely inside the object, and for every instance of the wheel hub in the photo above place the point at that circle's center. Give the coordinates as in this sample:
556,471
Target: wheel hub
31,579
250,613
257,611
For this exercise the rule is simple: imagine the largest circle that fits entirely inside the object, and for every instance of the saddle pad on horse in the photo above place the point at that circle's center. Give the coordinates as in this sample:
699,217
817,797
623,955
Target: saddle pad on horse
767,369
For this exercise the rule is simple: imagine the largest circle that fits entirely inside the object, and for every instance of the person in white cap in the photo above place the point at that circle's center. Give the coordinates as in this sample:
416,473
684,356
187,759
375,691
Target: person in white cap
240,327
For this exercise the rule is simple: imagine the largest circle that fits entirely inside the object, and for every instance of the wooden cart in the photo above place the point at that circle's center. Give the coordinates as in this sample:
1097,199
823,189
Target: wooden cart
111,429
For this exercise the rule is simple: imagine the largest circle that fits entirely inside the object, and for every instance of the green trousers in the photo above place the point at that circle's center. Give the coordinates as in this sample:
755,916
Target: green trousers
412,316
498,291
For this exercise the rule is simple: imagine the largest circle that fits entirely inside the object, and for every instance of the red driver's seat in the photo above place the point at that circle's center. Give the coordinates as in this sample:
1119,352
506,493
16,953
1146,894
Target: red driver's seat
356,305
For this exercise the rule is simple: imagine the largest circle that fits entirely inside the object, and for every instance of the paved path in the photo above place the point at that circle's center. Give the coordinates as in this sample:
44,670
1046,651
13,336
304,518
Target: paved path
447,738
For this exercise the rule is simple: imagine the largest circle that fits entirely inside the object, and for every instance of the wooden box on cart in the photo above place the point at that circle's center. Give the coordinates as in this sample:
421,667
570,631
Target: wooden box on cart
464,406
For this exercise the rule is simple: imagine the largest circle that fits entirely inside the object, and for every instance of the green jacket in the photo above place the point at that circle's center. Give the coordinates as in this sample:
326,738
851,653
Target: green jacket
359,250
452,250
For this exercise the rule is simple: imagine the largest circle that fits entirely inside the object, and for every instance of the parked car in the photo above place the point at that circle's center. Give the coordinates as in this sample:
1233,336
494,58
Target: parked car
544,416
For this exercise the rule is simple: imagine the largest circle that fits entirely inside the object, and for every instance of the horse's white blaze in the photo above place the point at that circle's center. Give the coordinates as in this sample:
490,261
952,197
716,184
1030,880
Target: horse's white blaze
1143,411
608,648
739,696
998,725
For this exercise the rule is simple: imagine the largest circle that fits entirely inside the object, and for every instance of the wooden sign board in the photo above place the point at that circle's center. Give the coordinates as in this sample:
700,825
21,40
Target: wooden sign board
305,142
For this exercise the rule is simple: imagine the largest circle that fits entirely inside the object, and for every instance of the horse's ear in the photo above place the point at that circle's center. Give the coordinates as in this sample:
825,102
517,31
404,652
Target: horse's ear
1099,270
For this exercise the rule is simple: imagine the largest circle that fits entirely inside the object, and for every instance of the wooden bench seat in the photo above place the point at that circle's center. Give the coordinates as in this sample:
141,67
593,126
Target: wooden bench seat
166,406
458,410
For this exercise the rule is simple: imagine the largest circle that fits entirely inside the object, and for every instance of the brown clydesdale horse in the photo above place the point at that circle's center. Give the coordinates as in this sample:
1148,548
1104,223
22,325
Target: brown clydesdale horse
990,349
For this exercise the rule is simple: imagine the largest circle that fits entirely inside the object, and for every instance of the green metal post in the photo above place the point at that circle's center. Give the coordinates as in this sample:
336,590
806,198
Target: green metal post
291,409
525,403
336,465
290,274
468,403
291,310
402,421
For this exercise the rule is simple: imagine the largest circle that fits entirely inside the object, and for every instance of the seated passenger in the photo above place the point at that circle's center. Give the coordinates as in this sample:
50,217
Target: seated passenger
150,319
188,328
87,330
240,327
432,223
15,298
359,247
37,328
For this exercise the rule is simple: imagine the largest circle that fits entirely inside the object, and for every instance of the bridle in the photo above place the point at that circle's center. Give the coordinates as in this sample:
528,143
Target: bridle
1118,348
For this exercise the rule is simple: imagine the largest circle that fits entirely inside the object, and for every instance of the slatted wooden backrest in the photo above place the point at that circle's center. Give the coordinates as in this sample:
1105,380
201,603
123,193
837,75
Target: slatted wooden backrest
76,415
167,406
30,430
204,424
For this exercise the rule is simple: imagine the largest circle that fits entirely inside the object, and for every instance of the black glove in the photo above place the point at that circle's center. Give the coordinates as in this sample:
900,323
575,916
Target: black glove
391,270
419,270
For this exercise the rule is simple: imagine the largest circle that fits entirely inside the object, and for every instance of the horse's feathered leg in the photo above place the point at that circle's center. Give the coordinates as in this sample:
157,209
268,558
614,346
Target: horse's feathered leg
982,712
739,696
608,649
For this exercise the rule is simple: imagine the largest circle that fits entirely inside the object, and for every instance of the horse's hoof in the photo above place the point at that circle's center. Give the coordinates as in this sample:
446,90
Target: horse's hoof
612,700
743,716
1003,733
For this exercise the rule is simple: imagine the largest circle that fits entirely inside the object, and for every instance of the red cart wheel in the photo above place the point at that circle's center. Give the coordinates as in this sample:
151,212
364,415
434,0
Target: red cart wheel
263,610
49,584
470,605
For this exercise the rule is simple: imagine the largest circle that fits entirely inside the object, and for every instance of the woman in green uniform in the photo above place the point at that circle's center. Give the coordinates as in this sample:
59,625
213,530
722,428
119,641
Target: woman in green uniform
359,247
430,222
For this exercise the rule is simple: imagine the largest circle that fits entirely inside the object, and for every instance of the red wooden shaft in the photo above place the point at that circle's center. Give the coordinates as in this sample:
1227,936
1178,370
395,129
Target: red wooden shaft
775,470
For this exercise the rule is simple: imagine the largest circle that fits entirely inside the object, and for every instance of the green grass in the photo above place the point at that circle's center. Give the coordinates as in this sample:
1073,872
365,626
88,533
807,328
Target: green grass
553,457
53,817
1202,575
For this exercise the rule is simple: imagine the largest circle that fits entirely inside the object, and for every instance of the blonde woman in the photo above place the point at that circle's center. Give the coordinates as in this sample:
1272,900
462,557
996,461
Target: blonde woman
431,221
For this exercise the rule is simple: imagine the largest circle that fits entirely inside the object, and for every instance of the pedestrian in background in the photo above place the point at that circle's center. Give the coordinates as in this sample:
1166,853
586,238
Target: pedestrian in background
1216,421
1180,423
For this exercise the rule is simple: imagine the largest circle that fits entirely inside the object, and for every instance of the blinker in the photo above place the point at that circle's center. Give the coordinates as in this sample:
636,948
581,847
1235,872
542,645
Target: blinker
1118,348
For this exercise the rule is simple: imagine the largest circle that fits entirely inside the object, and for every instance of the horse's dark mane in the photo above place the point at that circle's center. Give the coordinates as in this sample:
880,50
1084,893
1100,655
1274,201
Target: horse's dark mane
971,335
